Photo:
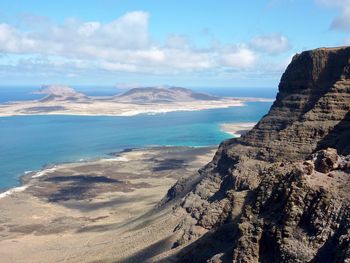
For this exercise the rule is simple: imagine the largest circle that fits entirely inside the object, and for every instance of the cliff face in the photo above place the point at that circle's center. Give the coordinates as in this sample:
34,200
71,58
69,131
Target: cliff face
281,192
314,95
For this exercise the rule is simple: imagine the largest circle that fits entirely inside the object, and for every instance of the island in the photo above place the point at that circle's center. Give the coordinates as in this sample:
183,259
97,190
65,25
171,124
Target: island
64,100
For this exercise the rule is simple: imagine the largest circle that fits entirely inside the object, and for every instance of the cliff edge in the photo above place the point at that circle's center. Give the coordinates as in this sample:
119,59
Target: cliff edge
280,193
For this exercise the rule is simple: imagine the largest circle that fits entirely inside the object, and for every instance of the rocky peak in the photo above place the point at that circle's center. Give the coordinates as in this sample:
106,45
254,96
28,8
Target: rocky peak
313,98
60,93
280,192
316,69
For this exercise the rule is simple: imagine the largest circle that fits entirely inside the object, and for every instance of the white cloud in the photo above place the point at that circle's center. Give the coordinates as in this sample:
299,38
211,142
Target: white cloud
177,41
116,66
272,44
238,57
77,38
13,41
88,29
342,21
125,45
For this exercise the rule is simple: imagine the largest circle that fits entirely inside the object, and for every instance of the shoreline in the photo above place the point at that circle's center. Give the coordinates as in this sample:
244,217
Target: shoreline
97,209
229,128
110,108
27,176
237,129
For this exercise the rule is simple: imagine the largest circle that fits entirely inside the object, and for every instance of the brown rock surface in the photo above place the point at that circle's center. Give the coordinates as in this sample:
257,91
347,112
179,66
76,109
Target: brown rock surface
266,196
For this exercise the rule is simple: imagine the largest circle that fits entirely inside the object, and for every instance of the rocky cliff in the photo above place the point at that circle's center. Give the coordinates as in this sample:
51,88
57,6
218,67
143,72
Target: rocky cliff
281,192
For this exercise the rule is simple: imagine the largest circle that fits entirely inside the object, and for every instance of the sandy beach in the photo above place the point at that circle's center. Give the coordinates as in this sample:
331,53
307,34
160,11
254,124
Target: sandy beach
237,129
96,211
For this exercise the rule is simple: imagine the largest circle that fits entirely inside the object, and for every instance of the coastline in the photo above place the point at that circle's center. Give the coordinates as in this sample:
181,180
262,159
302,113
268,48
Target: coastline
97,208
110,108
12,191
24,176
27,176
118,156
237,129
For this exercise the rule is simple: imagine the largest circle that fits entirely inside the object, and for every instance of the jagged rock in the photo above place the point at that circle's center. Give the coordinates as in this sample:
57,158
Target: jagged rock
326,160
270,187
344,164
309,167
296,219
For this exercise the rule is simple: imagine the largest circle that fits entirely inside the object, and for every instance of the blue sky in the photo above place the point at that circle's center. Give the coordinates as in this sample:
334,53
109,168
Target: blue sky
224,43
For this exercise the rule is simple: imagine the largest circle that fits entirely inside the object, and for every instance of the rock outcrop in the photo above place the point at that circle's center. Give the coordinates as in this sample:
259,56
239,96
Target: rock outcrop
60,93
280,193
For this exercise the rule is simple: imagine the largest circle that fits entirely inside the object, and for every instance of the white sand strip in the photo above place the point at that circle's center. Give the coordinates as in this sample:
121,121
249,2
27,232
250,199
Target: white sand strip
237,129
44,172
13,190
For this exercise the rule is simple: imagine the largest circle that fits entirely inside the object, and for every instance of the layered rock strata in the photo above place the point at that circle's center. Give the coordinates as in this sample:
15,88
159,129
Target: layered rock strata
280,193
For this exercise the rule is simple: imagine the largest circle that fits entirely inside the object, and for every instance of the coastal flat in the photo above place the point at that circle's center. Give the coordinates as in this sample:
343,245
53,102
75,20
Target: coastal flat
64,100
108,107
95,211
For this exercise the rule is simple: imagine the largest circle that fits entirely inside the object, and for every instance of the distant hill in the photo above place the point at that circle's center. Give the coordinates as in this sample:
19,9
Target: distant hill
136,95
162,95
60,93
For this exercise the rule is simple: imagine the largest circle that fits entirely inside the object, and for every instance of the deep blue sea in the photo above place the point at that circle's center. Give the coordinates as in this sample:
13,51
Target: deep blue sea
28,143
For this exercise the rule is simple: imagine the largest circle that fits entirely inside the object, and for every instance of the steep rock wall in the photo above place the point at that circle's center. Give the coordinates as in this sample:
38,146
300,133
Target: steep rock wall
264,198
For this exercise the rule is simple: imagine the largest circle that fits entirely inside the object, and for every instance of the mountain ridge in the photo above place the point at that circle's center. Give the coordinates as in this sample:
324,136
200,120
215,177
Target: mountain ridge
163,95
134,95
60,93
278,193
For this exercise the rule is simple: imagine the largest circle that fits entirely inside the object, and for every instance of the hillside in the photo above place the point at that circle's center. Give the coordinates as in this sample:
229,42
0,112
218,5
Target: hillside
60,93
280,192
163,95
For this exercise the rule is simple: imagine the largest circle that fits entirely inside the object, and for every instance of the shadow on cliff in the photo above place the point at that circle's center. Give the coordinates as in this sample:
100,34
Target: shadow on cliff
149,252
317,79
338,137
336,246
218,242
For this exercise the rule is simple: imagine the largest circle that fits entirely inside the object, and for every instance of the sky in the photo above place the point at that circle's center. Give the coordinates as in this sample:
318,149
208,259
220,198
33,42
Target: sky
194,43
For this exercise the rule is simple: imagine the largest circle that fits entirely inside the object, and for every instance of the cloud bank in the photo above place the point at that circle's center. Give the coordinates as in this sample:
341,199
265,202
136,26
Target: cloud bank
123,45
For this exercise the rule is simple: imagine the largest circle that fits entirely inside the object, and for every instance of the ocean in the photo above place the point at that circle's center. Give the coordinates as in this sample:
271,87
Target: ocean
29,143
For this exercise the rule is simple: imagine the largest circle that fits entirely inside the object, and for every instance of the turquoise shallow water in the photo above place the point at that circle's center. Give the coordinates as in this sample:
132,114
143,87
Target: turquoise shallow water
28,143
